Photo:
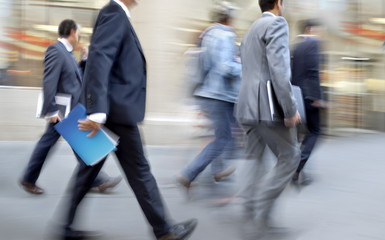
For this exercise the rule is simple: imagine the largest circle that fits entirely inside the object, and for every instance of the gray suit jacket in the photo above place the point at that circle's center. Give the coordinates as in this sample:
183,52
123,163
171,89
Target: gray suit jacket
265,56
61,75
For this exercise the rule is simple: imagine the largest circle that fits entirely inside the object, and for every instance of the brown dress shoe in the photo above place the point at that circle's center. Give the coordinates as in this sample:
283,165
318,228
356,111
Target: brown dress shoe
224,174
110,183
31,188
183,181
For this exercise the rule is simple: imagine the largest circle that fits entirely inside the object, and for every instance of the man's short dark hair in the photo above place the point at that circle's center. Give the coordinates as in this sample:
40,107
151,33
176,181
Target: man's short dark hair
267,5
65,28
308,23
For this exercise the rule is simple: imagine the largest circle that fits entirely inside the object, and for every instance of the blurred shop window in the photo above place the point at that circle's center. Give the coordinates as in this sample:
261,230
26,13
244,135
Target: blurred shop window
28,27
7,57
348,93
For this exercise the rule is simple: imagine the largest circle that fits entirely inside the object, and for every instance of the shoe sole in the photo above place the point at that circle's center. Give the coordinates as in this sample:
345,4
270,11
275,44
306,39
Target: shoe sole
188,234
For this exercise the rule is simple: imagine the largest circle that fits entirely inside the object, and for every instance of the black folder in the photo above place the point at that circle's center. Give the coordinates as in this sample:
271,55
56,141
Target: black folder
276,111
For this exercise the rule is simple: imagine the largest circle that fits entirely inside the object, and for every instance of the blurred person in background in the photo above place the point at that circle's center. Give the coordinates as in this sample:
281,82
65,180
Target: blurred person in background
217,94
115,91
265,56
61,75
305,74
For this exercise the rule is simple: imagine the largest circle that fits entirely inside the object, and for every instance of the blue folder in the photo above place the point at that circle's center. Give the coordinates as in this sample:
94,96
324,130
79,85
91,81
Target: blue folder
90,149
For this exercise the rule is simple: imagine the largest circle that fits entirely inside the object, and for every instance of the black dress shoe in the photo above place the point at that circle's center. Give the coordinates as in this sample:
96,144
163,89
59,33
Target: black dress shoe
79,235
181,231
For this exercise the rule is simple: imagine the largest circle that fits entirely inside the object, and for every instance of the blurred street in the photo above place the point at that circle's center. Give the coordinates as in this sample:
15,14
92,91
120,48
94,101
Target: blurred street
345,201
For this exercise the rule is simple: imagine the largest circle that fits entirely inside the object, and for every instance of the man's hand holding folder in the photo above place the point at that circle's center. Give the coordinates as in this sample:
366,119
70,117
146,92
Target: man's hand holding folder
293,121
89,139
87,125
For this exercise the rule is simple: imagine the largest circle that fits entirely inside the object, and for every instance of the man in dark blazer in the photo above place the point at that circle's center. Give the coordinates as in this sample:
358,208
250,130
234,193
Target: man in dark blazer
115,91
61,76
306,76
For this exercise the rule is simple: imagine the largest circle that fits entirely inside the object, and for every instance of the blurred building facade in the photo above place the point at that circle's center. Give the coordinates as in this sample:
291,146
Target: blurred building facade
352,70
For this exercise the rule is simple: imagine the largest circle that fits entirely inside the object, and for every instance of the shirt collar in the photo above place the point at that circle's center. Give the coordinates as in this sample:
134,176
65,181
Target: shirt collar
269,13
66,44
125,9
224,27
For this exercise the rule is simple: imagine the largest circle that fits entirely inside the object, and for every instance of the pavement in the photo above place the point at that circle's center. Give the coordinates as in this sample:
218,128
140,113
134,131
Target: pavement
345,200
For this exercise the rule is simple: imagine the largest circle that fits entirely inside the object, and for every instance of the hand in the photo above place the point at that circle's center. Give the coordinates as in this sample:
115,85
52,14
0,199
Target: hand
319,104
293,121
54,119
84,52
87,124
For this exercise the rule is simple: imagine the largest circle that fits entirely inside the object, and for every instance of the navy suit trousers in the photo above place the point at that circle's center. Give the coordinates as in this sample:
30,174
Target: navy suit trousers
36,162
313,127
137,170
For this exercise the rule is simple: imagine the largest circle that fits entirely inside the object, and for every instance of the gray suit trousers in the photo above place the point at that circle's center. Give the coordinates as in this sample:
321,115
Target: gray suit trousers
263,187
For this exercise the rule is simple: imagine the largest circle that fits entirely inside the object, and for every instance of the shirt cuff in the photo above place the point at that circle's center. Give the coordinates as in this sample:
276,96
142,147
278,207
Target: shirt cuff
51,114
98,117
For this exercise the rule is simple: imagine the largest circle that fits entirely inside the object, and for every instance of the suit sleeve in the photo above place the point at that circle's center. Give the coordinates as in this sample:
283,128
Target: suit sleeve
278,57
52,70
312,84
105,44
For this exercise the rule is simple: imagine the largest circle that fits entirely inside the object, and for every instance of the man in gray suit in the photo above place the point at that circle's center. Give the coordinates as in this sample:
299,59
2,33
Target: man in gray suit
265,57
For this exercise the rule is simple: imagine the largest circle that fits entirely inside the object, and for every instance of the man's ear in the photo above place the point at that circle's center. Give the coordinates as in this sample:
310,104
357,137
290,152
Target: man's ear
279,4
73,32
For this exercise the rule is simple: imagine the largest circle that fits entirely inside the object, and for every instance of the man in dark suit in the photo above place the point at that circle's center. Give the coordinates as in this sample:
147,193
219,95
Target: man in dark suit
306,76
61,76
115,91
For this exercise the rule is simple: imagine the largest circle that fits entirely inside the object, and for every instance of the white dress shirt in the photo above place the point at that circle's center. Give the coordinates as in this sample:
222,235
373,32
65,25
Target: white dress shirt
125,9
66,44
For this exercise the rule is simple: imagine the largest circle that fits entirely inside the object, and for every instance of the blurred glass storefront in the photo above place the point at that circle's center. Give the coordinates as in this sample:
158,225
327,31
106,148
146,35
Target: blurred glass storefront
352,71
28,27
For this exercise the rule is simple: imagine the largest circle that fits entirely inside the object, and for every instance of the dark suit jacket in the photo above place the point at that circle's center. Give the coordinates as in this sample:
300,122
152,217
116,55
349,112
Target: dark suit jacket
115,75
305,72
61,75
82,65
